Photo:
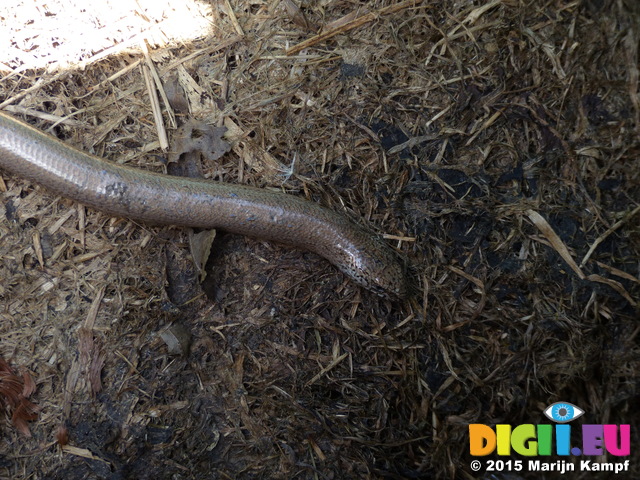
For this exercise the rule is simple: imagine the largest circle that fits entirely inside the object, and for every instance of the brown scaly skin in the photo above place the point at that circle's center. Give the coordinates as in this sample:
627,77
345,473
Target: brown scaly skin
163,199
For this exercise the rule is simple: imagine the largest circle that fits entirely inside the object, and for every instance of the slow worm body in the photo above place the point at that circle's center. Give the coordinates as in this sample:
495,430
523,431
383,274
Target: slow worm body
163,199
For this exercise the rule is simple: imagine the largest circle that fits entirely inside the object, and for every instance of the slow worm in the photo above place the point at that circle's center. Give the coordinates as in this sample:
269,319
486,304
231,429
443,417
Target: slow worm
164,199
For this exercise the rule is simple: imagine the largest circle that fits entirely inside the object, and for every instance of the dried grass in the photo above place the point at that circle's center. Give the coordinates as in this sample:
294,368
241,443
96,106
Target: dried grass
496,144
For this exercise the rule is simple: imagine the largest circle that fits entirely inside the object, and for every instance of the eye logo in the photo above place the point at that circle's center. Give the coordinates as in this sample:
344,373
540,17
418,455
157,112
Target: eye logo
563,412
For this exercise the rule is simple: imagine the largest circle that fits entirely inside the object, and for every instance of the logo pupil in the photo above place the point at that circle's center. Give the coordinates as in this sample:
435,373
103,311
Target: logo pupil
562,412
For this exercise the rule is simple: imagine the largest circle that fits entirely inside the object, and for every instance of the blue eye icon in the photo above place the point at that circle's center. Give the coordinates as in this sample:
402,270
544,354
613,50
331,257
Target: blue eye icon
563,412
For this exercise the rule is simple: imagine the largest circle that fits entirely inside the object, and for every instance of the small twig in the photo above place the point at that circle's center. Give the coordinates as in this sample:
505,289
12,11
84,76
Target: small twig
355,23
83,452
326,369
602,237
204,51
234,19
148,70
39,84
55,119
112,78
558,245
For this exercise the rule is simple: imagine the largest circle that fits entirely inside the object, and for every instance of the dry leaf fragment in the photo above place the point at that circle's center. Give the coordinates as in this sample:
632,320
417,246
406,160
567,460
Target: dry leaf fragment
178,339
200,246
195,136
296,15
557,244
91,358
14,391
62,435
